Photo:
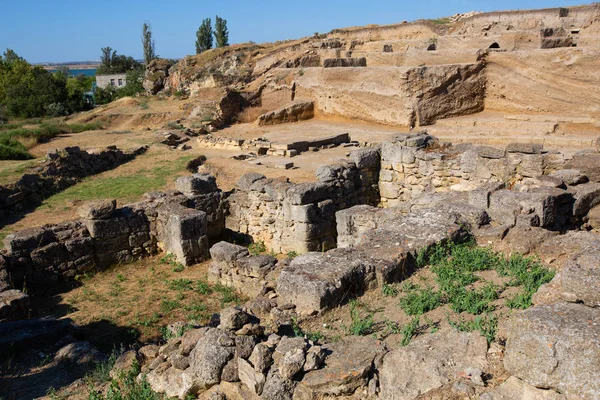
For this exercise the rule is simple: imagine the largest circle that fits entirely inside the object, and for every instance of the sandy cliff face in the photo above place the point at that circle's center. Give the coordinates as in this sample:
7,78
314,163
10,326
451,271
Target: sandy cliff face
413,74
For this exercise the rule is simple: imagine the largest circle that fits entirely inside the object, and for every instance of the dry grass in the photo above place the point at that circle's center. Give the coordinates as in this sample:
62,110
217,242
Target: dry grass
145,296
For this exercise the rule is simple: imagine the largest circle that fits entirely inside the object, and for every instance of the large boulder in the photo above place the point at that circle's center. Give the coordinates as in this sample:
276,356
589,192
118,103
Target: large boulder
577,282
558,347
348,367
210,356
430,362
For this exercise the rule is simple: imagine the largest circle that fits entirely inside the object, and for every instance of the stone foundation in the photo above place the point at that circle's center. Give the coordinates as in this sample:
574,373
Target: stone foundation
301,217
176,222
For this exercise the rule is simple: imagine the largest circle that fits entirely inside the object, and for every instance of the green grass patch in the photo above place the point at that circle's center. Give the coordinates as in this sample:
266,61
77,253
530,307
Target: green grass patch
126,386
362,323
124,188
419,300
12,149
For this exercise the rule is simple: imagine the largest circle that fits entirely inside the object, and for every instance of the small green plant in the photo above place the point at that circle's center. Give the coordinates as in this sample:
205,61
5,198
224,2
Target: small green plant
126,387
228,294
291,255
486,324
420,300
100,373
179,268
196,311
409,331
313,336
389,290
257,248
181,284
121,278
203,288
169,305
360,325
473,301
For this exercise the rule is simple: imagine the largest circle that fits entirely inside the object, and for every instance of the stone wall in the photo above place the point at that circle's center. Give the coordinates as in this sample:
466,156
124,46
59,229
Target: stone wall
179,222
412,165
62,168
301,217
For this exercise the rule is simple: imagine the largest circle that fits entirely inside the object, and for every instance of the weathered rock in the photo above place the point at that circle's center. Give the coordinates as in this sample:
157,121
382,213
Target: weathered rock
227,252
233,318
525,148
577,282
98,209
515,389
293,112
434,361
312,288
292,363
173,382
349,363
244,346
156,75
190,339
250,377
556,346
315,356
277,388
124,363
262,357
587,196
288,344
14,304
196,184
571,177
230,371
209,357
179,362
80,354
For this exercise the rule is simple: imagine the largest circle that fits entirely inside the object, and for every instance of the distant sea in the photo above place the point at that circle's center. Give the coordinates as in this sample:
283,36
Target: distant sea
75,72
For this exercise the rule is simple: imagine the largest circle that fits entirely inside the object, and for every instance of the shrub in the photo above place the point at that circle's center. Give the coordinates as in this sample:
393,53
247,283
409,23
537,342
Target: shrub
487,325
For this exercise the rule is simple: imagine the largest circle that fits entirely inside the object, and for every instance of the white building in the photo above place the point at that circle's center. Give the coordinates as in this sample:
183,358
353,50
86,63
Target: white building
115,80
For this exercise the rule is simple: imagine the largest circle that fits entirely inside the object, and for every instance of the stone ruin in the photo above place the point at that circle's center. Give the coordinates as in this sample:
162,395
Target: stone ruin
359,226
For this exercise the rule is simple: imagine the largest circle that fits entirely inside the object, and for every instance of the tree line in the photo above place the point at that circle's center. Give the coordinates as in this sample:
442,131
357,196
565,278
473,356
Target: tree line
28,91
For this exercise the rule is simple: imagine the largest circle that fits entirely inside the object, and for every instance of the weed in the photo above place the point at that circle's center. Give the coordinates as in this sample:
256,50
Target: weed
473,301
316,336
203,288
181,284
257,248
101,371
420,300
121,278
360,325
486,324
291,255
196,312
127,386
409,331
389,290
169,305
228,294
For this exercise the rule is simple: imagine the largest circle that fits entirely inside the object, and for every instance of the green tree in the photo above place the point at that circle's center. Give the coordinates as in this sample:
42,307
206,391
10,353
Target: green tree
113,63
204,37
148,43
221,32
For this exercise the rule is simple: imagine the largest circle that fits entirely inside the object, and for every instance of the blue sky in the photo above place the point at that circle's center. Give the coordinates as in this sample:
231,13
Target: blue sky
69,30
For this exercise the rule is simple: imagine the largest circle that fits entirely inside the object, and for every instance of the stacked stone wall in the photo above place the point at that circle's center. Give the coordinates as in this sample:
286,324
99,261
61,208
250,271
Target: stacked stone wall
301,217
177,222
412,165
